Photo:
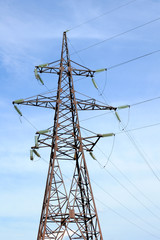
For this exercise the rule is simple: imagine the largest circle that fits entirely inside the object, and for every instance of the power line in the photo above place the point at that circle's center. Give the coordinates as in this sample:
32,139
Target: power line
141,154
144,101
91,97
119,34
128,220
125,176
139,128
76,51
131,105
129,192
30,122
133,59
134,185
99,115
124,206
43,93
103,14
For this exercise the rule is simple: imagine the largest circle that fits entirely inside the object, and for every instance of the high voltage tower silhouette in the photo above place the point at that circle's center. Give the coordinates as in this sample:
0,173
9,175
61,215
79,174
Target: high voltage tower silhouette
68,214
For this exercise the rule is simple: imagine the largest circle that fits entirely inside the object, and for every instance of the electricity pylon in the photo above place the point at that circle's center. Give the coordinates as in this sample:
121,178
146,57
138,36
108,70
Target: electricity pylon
72,214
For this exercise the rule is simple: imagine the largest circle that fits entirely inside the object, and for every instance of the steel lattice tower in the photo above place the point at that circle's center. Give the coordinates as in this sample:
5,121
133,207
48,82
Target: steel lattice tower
70,214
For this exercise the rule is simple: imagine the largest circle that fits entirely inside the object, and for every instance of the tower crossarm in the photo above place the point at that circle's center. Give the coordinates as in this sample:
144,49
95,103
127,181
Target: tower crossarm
45,140
91,104
83,72
38,101
75,71
50,102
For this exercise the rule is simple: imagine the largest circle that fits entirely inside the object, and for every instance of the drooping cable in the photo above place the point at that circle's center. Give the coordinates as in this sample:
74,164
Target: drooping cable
126,177
126,219
134,185
132,140
105,82
128,191
124,206
108,158
141,154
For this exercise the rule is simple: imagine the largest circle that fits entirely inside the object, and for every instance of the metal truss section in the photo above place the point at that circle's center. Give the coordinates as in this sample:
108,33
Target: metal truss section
50,102
54,204
80,219
69,214
52,68
45,140
40,101
90,104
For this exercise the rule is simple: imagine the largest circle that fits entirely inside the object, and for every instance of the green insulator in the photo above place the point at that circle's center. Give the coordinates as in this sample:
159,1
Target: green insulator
40,79
36,141
43,65
94,83
36,73
92,155
124,106
101,70
43,131
36,153
31,154
117,116
18,101
19,112
108,135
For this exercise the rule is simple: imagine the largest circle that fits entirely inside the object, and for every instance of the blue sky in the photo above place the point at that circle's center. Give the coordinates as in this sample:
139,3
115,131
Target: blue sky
31,34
